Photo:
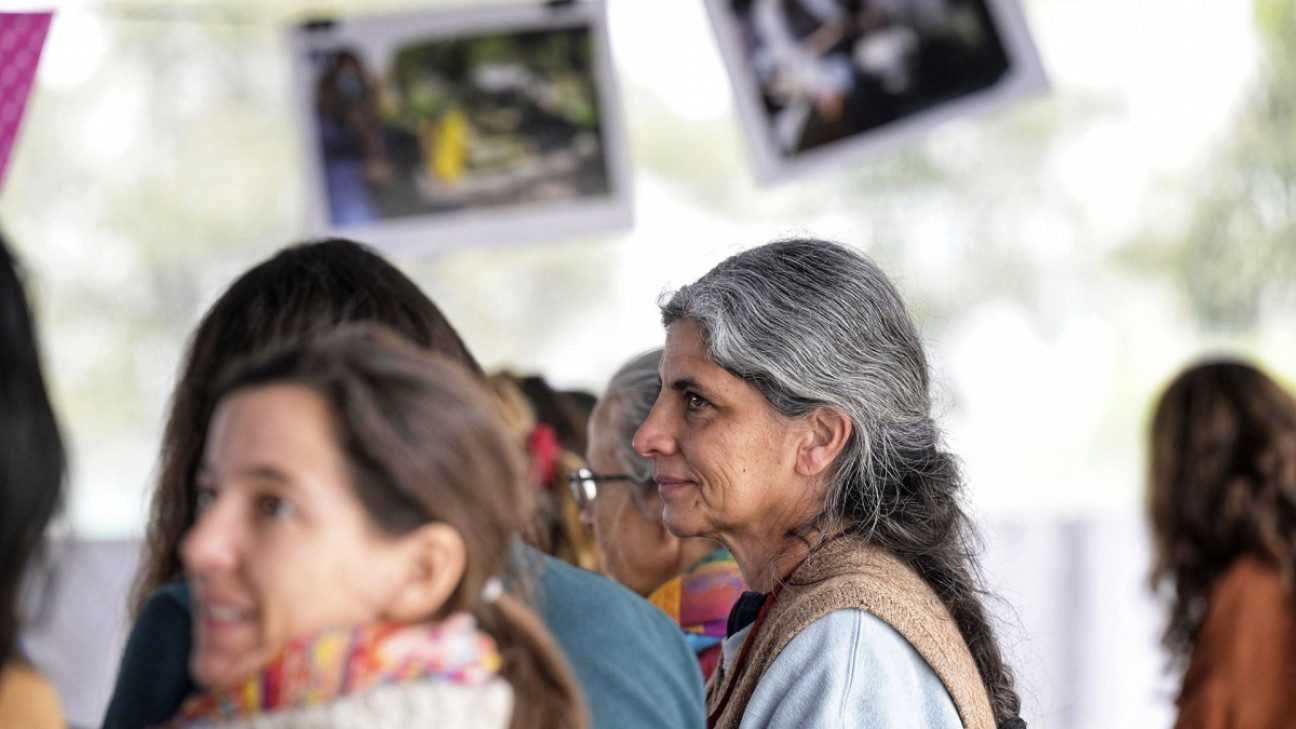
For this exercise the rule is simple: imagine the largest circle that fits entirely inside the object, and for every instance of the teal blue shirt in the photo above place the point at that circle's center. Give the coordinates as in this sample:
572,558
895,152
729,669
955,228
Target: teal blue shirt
632,663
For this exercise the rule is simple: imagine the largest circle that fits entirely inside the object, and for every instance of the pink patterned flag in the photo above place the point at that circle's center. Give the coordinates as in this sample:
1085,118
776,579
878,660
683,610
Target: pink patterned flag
21,38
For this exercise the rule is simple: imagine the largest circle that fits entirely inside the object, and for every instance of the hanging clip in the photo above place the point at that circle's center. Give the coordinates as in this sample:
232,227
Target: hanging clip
314,26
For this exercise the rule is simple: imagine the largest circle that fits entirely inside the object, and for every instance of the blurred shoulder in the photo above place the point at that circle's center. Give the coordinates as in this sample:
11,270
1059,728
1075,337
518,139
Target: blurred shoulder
165,616
27,699
1250,584
564,591
633,665
153,675
170,596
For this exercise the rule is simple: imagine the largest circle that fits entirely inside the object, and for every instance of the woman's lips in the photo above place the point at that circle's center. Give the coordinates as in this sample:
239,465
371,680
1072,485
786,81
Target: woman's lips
668,485
219,616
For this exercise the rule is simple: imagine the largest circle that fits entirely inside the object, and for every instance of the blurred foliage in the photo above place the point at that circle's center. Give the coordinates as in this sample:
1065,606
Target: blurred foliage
1236,256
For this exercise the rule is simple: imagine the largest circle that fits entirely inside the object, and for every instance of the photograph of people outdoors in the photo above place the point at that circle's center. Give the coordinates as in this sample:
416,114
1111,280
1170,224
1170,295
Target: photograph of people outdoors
419,118
824,73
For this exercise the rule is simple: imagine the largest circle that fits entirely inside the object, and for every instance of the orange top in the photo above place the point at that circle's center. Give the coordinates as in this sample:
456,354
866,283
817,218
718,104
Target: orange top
1242,674
27,699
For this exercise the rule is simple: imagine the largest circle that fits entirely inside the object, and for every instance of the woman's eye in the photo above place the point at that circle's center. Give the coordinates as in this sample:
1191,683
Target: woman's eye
276,507
694,401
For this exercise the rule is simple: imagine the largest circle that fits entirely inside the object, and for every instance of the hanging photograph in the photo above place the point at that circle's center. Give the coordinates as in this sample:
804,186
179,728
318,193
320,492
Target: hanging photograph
444,129
823,81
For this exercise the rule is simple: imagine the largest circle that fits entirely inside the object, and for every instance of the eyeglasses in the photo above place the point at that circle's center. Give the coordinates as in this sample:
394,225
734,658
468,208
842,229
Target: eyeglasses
584,484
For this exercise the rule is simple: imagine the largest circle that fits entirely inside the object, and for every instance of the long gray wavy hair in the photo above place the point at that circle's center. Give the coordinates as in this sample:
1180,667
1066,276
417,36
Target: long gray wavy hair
810,323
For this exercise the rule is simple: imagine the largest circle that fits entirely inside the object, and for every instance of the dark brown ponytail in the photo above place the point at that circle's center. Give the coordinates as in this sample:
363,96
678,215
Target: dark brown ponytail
545,693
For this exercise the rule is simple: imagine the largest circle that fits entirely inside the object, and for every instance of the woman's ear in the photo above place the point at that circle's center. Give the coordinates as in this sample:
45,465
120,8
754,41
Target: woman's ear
436,559
827,431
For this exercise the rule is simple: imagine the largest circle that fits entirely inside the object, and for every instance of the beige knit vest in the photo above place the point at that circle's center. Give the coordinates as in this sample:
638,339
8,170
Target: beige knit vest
846,573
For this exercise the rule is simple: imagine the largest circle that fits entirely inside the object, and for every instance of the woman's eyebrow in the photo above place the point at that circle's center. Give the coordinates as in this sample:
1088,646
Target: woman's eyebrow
265,473
684,383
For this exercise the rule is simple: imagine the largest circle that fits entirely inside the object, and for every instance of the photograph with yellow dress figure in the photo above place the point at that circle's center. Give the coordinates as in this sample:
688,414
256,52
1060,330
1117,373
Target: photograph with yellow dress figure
446,128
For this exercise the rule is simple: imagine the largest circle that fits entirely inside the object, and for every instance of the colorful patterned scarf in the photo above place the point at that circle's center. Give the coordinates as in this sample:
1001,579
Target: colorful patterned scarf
317,669
700,599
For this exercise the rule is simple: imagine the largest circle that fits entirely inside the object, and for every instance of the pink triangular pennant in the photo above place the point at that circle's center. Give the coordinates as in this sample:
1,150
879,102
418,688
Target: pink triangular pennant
21,38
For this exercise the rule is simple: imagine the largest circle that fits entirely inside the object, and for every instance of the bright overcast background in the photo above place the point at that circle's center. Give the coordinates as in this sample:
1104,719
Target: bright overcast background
1053,251
1065,257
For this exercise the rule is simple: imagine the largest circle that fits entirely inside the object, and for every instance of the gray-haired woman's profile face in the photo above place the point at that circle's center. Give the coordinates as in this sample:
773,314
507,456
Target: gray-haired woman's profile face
725,462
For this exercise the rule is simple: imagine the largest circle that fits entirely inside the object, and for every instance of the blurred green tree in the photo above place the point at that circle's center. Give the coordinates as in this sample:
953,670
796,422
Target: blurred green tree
1236,256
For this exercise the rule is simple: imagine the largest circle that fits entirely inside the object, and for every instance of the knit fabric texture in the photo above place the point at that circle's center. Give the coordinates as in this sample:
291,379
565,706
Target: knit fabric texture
699,600
847,573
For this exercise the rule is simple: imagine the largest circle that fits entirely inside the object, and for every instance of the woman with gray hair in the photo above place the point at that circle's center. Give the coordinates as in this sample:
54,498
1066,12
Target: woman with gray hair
794,426
693,580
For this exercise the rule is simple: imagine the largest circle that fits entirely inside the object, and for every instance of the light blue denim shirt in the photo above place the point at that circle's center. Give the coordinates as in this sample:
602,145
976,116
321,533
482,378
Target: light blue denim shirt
846,669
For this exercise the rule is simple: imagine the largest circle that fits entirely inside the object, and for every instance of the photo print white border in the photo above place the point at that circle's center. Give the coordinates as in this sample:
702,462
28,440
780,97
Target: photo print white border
1025,77
375,37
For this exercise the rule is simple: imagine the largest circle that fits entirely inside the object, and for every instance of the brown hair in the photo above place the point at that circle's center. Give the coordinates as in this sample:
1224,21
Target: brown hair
1222,486
427,442
555,526
300,292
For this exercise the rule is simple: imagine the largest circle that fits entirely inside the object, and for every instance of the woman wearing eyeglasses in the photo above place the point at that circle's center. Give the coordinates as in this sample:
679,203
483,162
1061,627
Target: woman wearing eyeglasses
694,580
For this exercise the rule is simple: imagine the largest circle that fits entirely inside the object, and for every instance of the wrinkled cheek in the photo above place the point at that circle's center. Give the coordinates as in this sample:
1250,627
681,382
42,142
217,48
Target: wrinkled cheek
600,521
612,565
707,502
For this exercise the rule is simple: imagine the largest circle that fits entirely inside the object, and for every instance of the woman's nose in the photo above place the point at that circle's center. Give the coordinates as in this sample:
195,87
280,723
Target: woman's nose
652,439
210,543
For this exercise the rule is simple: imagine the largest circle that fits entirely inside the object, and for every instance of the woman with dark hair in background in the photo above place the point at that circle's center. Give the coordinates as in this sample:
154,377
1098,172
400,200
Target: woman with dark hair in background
300,293
693,580
629,660
566,411
555,526
32,470
794,426
1222,505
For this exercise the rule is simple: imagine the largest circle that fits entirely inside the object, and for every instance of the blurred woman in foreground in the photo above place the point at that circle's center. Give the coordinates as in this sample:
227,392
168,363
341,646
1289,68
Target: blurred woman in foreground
1222,505
357,502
